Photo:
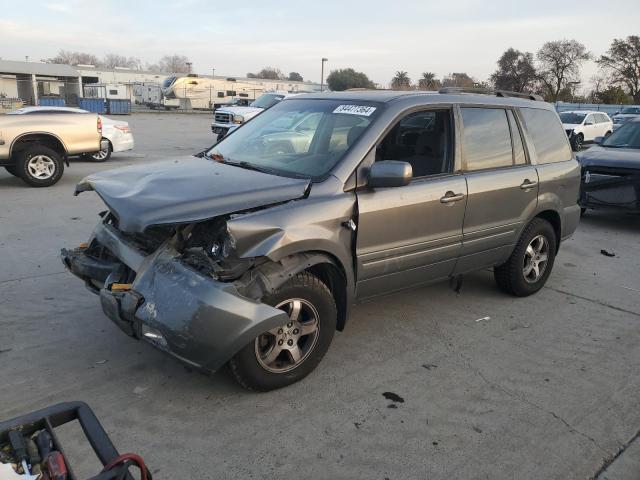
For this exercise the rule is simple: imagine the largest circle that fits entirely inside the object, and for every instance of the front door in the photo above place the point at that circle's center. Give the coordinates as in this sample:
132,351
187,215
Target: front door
412,234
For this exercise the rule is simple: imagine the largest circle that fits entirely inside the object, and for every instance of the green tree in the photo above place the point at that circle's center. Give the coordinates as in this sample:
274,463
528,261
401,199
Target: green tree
346,78
429,82
401,81
614,95
559,65
515,72
623,61
295,77
268,73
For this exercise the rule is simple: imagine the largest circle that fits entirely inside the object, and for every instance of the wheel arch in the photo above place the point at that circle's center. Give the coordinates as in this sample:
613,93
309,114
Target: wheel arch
553,217
45,138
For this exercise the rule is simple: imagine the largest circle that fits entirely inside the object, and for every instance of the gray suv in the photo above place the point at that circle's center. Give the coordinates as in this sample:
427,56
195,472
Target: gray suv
252,253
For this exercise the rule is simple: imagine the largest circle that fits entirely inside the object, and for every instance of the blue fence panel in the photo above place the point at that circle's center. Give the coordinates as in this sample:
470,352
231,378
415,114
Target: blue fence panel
51,102
119,107
598,107
95,105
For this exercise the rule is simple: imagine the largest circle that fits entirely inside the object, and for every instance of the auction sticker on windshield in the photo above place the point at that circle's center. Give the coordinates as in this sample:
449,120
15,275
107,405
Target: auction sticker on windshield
362,110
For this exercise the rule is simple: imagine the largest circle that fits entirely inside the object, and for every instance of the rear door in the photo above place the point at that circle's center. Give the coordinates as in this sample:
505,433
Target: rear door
502,186
412,234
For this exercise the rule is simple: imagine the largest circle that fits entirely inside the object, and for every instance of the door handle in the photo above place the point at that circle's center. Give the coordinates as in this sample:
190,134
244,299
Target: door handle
451,197
528,184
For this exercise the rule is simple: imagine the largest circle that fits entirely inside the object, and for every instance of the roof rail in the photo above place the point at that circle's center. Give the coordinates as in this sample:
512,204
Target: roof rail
488,91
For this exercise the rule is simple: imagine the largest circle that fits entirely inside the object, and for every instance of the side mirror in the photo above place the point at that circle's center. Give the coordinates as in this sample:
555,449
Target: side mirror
598,140
390,173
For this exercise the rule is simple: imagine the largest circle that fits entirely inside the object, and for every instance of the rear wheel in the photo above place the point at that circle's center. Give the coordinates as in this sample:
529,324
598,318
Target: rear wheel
39,165
531,262
287,353
103,155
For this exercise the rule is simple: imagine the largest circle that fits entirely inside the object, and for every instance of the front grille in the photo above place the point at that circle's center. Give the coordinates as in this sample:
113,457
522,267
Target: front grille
222,118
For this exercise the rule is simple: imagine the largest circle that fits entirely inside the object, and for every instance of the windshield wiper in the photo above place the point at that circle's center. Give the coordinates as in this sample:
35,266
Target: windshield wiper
251,166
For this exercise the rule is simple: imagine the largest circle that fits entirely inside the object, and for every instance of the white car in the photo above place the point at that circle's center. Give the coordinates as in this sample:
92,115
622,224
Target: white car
227,119
117,132
584,126
626,114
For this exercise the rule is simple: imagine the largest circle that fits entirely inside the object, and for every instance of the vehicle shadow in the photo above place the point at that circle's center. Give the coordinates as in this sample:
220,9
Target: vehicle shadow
627,222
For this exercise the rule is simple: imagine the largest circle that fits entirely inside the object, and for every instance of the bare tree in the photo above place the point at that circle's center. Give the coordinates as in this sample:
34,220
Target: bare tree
171,64
559,65
458,79
112,60
429,82
401,81
515,72
623,61
74,58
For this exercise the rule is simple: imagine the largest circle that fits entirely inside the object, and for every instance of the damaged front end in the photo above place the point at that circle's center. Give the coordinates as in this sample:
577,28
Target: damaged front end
610,187
181,288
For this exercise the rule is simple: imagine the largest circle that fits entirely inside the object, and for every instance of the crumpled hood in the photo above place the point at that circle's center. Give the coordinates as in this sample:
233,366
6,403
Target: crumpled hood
186,190
240,110
610,157
570,126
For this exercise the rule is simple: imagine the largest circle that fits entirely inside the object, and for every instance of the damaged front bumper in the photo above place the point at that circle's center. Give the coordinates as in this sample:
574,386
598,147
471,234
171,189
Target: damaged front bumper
200,321
606,187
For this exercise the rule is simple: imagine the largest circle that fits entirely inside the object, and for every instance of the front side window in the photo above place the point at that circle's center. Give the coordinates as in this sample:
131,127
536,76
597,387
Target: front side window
486,138
422,139
549,138
298,138
627,136
267,100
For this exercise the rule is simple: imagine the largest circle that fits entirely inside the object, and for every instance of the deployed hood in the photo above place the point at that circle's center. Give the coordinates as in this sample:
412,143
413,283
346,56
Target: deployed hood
610,157
186,190
239,110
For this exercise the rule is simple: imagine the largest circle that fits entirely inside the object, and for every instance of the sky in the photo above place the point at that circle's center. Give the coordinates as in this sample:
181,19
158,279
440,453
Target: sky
373,36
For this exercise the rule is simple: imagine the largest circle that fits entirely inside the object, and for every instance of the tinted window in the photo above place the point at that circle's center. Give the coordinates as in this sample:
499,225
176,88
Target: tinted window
604,118
486,137
519,157
549,139
422,139
572,117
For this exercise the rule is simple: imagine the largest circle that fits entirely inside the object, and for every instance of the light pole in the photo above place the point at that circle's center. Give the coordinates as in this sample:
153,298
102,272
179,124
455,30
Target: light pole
322,73
189,66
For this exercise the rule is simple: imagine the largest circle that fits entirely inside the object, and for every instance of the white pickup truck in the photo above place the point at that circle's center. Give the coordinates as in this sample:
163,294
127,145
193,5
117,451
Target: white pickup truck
227,119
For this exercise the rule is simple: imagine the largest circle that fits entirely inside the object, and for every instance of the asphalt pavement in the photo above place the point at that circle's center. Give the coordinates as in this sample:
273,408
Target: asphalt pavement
425,383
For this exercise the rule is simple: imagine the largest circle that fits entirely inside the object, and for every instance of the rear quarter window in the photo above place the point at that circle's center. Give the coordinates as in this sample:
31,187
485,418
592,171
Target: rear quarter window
549,138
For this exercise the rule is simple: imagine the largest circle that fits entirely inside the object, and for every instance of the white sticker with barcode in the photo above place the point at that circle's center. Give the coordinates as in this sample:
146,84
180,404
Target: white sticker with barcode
362,110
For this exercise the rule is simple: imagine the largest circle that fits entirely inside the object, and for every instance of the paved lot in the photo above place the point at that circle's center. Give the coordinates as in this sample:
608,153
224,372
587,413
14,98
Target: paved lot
547,387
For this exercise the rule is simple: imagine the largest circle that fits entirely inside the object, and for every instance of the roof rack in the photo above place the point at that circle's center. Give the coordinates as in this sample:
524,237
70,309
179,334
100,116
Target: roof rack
488,91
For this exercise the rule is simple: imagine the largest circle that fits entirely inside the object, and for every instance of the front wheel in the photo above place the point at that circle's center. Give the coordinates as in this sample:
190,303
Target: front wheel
577,141
287,353
39,165
531,262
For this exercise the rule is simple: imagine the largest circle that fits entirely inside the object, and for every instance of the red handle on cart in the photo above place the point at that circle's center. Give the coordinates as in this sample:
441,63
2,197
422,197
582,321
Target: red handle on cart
55,467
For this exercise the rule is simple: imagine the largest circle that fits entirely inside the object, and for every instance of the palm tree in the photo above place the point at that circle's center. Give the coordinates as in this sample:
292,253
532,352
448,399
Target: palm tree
401,81
429,81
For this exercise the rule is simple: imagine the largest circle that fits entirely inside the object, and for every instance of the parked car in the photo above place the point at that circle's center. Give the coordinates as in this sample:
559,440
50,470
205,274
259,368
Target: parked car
583,126
253,256
626,114
227,119
611,171
116,132
35,147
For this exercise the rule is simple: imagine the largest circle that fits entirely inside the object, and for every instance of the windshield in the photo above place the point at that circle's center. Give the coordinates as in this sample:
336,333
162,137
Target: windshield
572,117
168,82
267,100
298,138
631,111
627,136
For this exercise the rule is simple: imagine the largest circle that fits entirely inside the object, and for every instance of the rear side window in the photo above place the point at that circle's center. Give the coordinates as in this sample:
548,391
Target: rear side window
549,138
486,138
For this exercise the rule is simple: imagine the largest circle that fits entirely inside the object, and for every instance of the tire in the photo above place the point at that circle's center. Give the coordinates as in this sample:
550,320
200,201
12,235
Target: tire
259,366
583,212
577,142
13,170
512,277
607,134
39,165
102,155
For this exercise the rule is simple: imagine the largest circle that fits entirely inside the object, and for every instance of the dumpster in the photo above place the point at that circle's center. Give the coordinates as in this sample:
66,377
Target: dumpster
118,106
51,102
95,105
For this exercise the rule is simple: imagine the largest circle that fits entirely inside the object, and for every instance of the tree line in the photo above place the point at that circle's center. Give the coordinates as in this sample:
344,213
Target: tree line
554,73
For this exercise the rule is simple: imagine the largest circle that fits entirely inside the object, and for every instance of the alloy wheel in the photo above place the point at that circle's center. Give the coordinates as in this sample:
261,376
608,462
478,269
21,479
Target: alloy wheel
101,155
283,348
536,258
41,167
